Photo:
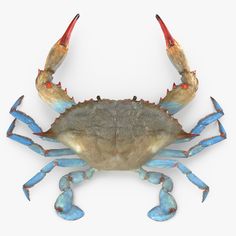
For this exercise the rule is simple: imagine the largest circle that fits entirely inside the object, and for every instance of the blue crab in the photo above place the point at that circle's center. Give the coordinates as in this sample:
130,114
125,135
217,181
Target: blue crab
108,134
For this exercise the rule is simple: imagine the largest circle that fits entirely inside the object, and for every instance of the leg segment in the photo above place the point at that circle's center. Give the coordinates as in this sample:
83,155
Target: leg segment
168,206
64,203
201,125
173,163
208,119
19,115
36,147
182,94
197,148
51,93
72,162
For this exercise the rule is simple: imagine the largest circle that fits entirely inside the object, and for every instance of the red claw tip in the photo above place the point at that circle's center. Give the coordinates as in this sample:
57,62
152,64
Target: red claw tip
169,39
66,36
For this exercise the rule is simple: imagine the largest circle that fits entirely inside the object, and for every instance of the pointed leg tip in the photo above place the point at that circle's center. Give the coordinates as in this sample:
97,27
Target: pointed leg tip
205,194
11,127
19,100
17,103
217,105
222,130
21,97
26,192
213,100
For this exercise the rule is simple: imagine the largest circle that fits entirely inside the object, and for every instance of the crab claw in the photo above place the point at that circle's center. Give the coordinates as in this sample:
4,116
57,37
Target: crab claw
182,94
174,51
169,39
52,93
64,40
60,48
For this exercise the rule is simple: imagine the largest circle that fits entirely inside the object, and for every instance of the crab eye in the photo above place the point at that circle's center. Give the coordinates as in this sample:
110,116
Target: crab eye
48,84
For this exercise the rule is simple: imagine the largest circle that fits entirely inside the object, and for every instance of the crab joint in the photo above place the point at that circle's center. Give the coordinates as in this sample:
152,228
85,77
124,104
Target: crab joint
52,93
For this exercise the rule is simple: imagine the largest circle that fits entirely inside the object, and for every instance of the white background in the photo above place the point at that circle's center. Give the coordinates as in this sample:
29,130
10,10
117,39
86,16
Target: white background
117,51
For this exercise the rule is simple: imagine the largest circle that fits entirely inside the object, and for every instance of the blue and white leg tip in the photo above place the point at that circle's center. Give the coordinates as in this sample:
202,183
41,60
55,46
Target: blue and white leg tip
166,209
74,213
159,214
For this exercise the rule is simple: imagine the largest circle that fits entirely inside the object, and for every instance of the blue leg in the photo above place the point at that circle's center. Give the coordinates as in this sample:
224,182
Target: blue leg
167,206
64,203
73,162
173,163
197,148
36,147
19,115
201,125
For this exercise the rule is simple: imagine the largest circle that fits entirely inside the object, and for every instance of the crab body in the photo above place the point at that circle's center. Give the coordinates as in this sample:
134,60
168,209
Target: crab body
108,134
115,135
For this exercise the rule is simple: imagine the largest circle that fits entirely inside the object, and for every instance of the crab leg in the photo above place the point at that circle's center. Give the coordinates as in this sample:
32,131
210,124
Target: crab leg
51,93
168,206
201,125
183,93
173,163
64,203
73,162
36,147
197,148
19,115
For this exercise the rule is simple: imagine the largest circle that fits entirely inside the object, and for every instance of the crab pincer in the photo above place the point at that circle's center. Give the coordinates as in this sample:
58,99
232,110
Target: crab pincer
181,94
52,93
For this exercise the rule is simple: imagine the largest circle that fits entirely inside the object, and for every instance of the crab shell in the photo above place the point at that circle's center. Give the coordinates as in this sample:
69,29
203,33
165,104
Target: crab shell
115,135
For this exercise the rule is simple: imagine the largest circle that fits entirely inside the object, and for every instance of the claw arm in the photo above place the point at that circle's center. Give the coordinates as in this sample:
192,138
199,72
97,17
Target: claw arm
181,94
52,93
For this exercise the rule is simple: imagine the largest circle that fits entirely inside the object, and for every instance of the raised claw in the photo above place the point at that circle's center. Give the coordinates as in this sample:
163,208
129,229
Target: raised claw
169,39
60,48
66,36
174,51
182,94
52,93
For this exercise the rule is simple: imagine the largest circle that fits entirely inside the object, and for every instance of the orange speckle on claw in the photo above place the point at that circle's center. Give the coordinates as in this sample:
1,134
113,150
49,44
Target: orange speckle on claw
184,86
48,84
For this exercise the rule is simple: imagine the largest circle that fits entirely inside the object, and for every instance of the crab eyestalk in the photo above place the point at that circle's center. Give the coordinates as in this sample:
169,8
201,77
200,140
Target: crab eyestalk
182,94
51,93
